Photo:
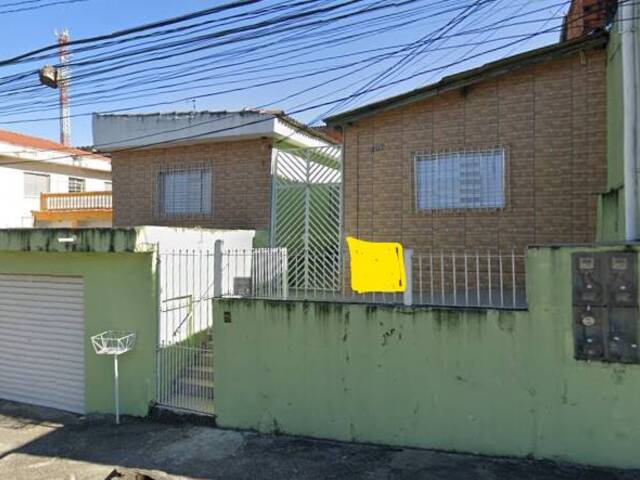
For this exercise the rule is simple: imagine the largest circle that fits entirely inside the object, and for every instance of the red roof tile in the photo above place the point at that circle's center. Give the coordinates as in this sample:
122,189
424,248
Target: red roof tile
44,144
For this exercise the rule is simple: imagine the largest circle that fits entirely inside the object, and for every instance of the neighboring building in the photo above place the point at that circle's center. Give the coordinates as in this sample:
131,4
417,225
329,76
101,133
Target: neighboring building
505,155
586,17
206,169
46,184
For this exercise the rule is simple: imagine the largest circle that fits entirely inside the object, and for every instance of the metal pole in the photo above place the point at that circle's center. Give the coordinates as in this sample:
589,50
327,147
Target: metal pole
630,112
116,393
408,292
217,269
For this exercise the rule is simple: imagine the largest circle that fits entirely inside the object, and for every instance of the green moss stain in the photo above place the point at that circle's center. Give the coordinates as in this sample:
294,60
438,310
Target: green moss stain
85,240
485,381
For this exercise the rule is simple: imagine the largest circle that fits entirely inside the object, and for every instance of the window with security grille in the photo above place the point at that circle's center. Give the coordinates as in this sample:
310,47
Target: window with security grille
460,180
35,184
185,192
76,185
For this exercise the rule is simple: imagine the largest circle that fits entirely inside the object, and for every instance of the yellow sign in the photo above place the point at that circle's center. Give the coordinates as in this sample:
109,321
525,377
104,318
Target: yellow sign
376,267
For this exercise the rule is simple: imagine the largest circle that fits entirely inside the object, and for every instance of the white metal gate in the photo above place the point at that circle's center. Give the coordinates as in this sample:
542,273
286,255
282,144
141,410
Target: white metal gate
185,354
306,215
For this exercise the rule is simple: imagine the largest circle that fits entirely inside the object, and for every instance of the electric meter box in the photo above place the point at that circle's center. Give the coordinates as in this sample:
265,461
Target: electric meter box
605,306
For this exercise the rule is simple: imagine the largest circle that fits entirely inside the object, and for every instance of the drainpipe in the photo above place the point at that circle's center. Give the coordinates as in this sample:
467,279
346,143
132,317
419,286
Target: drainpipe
630,118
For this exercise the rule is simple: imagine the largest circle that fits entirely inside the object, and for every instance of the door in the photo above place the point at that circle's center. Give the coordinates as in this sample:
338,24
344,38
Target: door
42,341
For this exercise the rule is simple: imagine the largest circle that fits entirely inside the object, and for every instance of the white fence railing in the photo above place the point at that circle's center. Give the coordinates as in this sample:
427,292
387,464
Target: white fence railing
190,279
76,201
490,278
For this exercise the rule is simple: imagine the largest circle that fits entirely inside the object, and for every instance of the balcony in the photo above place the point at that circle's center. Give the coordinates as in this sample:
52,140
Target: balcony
84,209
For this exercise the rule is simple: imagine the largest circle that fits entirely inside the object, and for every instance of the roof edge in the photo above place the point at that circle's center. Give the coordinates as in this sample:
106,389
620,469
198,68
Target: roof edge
303,127
472,76
271,114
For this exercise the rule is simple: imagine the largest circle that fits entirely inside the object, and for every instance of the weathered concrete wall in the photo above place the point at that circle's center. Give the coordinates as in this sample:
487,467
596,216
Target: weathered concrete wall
120,294
484,381
611,222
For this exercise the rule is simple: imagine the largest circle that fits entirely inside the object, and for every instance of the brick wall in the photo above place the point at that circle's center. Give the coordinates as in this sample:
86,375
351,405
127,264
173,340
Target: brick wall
241,188
585,16
550,118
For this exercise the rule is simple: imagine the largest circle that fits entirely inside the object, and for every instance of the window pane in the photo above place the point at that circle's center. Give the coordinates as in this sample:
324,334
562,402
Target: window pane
76,185
460,180
35,184
185,191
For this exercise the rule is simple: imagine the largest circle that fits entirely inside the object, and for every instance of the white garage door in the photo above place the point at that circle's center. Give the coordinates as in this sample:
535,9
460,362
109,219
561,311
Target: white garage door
42,341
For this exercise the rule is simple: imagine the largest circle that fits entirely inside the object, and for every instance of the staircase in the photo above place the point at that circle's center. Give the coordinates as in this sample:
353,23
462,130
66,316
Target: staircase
193,387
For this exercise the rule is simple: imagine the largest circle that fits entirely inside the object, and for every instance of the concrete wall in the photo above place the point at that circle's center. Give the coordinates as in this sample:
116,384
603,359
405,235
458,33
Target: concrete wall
120,294
483,381
115,131
111,132
611,223
551,118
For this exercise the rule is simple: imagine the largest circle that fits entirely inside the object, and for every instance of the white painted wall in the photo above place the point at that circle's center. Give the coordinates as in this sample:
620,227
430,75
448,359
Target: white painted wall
187,274
169,238
16,208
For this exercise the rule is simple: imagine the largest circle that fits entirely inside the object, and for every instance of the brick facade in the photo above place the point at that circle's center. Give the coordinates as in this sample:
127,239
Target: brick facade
241,184
550,118
587,16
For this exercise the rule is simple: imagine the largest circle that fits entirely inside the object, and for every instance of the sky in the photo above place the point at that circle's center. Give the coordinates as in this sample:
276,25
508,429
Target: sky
27,30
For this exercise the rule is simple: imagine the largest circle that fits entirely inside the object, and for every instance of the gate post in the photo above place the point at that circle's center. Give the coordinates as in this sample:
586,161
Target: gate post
407,299
217,269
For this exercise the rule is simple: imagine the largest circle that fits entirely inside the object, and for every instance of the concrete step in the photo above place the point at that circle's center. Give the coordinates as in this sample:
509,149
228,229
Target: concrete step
200,372
195,387
190,403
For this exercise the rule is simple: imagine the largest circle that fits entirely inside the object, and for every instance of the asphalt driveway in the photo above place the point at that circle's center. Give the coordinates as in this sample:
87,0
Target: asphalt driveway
39,444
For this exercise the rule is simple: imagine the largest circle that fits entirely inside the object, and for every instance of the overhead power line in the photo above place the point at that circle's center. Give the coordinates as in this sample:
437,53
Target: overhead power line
328,101
10,110
37,7
296,110
121,33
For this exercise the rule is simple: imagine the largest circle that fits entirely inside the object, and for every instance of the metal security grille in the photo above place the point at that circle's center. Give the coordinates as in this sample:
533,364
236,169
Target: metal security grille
307,213
76,185
184,192
460,180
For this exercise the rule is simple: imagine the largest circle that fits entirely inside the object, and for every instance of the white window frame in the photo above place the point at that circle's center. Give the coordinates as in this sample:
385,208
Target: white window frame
185,199
40,175
78,181
449,168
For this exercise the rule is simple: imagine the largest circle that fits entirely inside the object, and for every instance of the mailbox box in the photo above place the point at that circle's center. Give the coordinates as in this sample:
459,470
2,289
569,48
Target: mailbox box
605,306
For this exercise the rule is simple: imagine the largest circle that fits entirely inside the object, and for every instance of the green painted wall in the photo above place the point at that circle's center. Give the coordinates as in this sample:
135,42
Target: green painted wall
611,223
120,293
484,381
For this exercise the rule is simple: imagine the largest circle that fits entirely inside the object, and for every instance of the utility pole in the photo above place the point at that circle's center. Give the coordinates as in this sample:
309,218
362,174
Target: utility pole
63,83
58,77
